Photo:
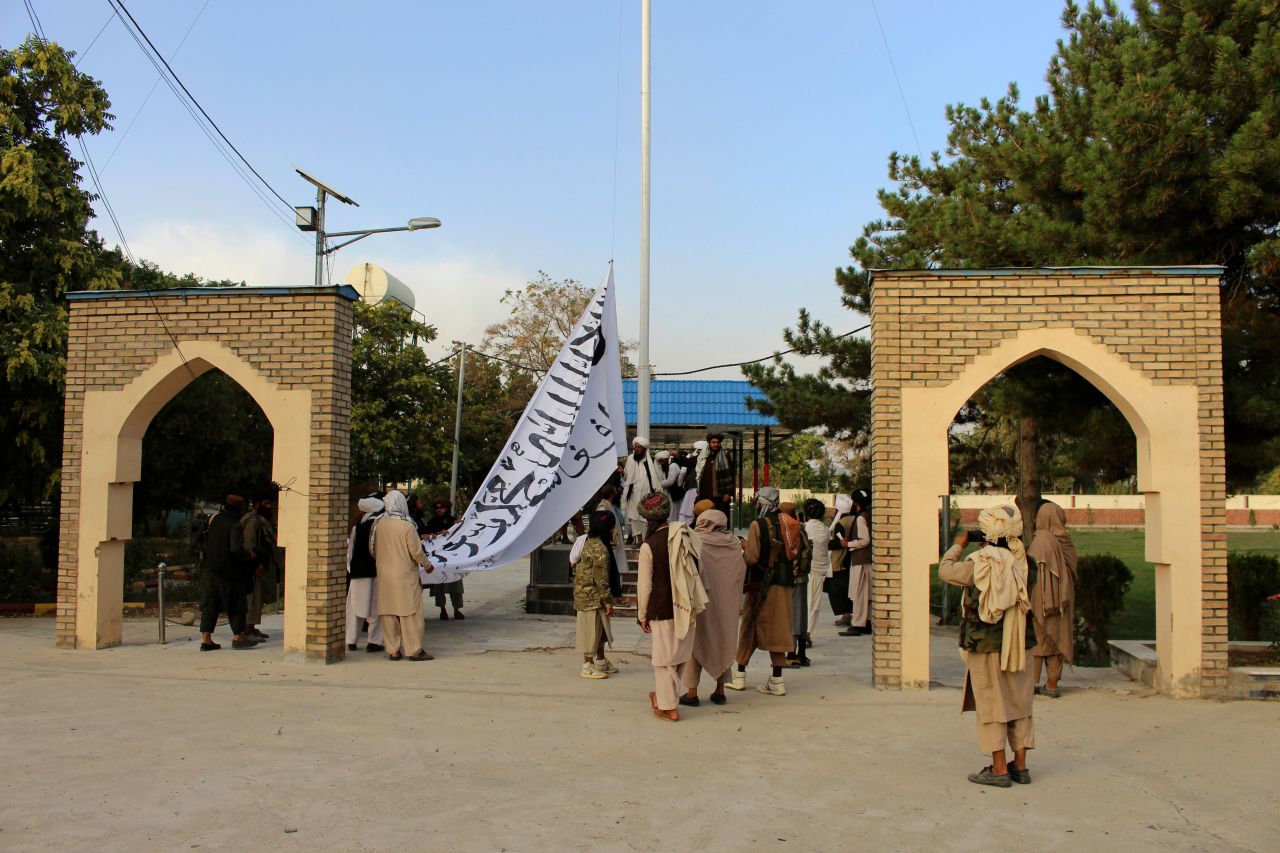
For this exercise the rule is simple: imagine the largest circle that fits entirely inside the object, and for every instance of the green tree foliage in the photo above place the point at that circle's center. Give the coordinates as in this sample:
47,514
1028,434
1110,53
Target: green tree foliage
210,440
542,314
45,251
401,403
1157,143
801,462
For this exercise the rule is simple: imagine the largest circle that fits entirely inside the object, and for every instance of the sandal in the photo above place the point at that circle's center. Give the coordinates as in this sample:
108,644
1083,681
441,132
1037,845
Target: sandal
395,656
422,655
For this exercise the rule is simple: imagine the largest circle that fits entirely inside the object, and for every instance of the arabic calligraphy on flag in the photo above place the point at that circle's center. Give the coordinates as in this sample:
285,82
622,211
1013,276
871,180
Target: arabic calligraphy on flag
565,445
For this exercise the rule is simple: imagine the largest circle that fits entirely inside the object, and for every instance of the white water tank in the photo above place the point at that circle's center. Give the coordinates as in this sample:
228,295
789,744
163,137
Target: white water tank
374,284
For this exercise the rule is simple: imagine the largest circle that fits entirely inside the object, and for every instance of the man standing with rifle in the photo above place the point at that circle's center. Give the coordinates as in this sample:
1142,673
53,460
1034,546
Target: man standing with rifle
766,616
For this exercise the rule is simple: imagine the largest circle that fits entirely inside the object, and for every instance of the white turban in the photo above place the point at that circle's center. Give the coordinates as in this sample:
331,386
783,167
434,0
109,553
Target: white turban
662,454
640,440
700,445
844,505
370,506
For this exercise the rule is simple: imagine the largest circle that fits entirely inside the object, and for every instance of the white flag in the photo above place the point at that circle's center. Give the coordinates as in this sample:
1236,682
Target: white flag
564,447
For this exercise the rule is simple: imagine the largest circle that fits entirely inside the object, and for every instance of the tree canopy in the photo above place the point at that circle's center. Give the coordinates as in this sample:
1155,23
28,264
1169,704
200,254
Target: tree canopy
542,314
46,250
1158,142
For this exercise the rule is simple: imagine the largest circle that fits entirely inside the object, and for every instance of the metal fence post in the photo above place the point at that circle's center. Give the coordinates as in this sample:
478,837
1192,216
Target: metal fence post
160,573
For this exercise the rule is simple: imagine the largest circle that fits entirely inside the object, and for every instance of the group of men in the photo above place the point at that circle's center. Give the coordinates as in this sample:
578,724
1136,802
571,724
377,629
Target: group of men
241,568
385,573
706,473
710,599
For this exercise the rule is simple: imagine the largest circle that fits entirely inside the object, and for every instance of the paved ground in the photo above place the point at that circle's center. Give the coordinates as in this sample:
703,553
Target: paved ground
498,745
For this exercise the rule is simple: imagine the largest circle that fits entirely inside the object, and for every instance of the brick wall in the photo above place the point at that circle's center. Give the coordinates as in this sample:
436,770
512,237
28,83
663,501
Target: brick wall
926,328
298,338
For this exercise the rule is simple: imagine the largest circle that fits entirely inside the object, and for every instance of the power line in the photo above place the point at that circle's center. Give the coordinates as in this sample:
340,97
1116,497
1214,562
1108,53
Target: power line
147,99
97,183
754,360
102,30
235,166
894,68
214,124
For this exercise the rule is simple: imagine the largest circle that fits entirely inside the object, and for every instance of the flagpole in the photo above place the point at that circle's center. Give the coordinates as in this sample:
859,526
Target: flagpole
642,382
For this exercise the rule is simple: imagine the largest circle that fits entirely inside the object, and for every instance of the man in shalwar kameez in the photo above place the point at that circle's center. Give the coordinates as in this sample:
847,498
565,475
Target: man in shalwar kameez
669,597
362,573
397,550
640,478
1053,596
994,640
723,570
766,609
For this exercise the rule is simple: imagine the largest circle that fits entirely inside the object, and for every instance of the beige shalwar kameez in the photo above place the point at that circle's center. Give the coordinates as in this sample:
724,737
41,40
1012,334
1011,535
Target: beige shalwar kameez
1001,699
398,551
723,569
671,652
1054,592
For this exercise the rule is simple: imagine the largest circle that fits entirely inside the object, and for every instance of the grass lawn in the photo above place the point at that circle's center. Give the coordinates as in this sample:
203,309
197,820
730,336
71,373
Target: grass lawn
1138,619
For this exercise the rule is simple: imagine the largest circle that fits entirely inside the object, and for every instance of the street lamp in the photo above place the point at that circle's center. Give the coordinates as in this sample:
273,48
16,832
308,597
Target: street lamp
312,219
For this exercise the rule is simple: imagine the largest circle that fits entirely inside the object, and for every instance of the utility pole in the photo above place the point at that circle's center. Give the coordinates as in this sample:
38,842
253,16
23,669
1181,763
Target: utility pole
457,425
642,380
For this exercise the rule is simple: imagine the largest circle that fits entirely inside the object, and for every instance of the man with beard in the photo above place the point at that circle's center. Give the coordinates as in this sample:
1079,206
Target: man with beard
640,478
261,558
222,577
715,473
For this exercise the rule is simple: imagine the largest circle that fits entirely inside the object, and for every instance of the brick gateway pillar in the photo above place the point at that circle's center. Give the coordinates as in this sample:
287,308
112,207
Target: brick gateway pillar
290,349
1149,338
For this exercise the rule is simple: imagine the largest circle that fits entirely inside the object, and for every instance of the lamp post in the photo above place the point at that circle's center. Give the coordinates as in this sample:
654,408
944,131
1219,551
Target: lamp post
312,219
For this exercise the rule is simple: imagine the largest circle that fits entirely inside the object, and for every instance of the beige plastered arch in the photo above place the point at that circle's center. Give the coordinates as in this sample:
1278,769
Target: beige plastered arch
114,423
1164,419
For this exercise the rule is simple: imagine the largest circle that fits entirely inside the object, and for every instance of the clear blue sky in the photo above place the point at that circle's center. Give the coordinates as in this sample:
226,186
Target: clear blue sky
771,127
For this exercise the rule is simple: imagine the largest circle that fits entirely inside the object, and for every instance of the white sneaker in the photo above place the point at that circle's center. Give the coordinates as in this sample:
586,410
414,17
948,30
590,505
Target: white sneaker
739,681
606,666
589,671
773,687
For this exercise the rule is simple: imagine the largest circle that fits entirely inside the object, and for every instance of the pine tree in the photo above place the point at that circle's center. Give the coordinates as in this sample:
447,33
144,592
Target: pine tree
1158,142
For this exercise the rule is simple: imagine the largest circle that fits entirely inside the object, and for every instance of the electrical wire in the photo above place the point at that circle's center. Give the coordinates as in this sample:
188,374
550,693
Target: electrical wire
102,30
235,166
214,124
894,68
152,91
754,360
106,204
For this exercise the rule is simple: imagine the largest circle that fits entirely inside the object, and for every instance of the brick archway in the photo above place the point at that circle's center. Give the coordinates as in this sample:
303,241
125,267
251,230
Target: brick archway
1148,339
290,349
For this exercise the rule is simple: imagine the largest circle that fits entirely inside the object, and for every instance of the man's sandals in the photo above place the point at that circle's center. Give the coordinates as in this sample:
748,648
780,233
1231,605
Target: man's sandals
672,716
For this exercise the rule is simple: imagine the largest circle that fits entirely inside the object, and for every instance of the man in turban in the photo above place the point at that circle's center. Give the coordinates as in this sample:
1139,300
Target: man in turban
362,571
993,641
669,597
640,478
766,613
714,473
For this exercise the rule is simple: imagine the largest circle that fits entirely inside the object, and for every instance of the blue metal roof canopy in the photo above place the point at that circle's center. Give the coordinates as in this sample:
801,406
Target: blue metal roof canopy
698,403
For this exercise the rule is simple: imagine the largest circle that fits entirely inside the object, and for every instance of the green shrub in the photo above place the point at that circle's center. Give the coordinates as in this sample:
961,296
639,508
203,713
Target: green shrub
1101,583
1251,579
1271,621
19,574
